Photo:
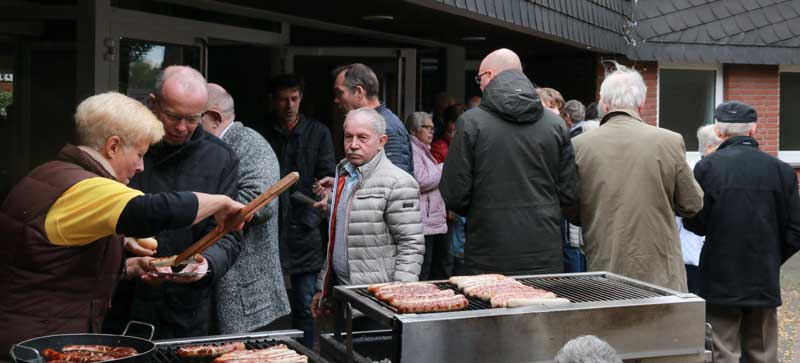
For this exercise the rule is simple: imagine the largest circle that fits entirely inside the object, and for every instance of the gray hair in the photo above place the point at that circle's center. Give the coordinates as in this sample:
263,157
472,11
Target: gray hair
575,110
624,88
358,74
729,129
415,120
707,136
221,100
375,119
587,349
191,80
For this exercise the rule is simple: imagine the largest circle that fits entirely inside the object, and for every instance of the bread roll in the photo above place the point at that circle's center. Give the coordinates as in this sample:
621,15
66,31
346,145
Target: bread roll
148,243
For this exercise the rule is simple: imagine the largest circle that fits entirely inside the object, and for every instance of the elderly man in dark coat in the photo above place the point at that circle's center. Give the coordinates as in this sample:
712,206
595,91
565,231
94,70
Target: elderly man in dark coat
252,294
751,220
510,169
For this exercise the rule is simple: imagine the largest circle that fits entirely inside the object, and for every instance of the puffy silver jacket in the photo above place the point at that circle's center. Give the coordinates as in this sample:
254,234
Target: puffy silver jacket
384,226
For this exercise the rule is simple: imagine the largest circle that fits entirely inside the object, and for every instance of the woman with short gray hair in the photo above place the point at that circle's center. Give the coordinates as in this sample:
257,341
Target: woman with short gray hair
438,260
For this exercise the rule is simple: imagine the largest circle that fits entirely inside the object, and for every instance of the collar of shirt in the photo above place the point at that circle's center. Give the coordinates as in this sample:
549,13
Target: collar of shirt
226,130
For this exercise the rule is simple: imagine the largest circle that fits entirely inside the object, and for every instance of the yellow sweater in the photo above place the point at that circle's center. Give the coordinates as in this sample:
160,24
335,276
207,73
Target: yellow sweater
87,211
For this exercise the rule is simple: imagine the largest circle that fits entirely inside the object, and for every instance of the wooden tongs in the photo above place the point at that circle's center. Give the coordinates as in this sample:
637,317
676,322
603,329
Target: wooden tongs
244,214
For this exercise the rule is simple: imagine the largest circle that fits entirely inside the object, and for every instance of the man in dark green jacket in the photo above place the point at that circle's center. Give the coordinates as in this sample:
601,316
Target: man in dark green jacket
510,169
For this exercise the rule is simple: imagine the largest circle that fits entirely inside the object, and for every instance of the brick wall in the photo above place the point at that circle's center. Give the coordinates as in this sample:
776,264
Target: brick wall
758,86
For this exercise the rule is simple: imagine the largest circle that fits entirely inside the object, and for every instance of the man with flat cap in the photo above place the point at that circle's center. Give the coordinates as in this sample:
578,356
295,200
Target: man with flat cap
751,220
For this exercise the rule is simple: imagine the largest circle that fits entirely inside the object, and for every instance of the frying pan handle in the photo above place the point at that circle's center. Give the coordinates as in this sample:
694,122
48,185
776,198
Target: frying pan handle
14,356
134,322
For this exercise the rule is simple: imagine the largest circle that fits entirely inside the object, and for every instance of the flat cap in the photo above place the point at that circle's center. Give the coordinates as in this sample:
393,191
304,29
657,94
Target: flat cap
735,112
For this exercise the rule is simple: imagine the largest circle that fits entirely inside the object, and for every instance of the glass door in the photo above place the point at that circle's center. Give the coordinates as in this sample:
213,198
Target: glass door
141,60
394,67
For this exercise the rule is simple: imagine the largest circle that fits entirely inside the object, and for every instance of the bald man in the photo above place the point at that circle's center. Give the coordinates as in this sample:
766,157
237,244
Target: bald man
187,158
510,169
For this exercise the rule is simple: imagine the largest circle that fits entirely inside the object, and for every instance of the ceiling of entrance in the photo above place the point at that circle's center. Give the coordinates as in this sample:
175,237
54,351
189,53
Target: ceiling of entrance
408,20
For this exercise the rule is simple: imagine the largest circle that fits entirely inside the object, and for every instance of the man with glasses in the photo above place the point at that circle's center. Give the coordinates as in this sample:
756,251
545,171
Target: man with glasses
187,158
510,170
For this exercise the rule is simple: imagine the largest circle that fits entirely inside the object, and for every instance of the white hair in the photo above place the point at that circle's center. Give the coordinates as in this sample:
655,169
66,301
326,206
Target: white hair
707,136
623,89
104,115
729,129
587,349
220,99
375,119
415,120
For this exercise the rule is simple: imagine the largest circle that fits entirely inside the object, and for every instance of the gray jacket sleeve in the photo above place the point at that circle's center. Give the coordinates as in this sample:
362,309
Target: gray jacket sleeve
405,224
223,254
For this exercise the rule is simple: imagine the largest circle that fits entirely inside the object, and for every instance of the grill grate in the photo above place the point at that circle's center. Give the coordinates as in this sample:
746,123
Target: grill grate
166,353
574,288
589,288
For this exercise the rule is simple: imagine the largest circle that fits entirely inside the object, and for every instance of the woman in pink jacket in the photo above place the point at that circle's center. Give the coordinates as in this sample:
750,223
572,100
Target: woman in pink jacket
438,259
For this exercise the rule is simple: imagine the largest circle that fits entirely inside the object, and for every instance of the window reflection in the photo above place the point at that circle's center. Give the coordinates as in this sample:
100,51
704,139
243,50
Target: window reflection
140,61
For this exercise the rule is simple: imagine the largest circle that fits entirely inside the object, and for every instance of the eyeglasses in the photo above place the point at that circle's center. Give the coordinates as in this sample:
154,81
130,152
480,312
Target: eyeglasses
478,77
427,127
176,117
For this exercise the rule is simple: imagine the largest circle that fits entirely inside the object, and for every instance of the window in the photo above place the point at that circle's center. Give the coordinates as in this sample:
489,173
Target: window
140,61
687,95
789,144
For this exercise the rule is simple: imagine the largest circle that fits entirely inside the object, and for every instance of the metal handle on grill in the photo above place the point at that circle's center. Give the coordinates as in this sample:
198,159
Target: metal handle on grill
14,356
146,325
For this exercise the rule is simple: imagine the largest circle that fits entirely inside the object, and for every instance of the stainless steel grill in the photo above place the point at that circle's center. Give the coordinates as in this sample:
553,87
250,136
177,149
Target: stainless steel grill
165,351
640,320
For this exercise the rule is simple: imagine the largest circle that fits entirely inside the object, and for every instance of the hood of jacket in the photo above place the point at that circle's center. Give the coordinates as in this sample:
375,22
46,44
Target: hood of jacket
511,96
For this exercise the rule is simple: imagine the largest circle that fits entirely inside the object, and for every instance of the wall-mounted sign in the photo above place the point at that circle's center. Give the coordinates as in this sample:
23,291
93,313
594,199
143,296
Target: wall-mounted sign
6,77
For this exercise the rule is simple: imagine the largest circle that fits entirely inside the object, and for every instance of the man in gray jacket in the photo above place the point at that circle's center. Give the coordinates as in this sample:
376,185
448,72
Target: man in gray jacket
374,219
252,294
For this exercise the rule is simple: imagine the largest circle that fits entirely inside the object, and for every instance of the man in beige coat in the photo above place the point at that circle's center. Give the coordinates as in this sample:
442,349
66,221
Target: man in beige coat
634,179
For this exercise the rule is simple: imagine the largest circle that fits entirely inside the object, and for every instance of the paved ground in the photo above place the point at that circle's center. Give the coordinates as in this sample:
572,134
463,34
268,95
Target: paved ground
789,313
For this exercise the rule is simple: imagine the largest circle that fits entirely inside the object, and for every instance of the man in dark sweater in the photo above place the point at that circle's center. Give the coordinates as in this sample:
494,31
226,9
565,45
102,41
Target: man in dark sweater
304,145
751,220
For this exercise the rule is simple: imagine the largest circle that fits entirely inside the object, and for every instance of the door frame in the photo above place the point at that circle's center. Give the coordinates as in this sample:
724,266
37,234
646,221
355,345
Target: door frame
406,67
130,24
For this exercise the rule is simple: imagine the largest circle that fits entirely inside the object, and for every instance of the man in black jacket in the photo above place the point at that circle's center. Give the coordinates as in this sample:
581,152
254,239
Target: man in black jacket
751,220
187,158
510,169
304,145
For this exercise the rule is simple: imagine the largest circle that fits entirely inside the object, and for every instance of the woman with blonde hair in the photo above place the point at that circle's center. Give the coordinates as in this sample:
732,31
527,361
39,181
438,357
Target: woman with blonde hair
63,224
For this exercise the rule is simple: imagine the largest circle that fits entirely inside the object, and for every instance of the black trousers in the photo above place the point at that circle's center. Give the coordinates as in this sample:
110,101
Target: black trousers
438,262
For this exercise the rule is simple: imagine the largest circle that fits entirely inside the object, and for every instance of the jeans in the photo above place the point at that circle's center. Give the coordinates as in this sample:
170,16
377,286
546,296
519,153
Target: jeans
574,260
303,288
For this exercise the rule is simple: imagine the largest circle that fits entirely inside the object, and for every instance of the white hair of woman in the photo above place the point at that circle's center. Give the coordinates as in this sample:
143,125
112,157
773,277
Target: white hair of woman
587,349
707,136
375,119
415,120
623,89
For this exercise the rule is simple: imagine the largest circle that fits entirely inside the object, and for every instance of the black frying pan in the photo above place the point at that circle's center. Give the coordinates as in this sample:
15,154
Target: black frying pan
29,351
